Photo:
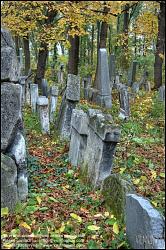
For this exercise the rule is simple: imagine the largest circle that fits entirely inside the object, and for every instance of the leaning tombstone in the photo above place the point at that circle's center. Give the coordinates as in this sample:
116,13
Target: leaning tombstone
22,83
53,102
112,67
124,103
42,107
34,96
161,93
102,81
27,92
135,87
44,87
70,98
145,227
147,86
132,73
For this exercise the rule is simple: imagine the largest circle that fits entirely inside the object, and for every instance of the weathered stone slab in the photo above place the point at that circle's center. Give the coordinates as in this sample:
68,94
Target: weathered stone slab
145,227
112,67
79,133
135,87
34,96
124,103
44,87
147,86
10,112
9,63
9,195
102,81
42,107
114,190
22,186
73,88
53,101
22,83
80,121
161,93
99,153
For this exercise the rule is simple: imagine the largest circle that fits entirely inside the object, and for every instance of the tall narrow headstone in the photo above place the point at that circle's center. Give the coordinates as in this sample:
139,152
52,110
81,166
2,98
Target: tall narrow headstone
112,67
69,101
53,102
102,82
27,92
44,87
124,102
132,73
34,96
42,107
22,83
161,93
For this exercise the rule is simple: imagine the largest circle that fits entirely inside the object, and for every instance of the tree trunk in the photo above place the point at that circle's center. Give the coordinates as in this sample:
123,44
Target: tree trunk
17,45
42,58
159,55
73,55
26,54
103,35
92,42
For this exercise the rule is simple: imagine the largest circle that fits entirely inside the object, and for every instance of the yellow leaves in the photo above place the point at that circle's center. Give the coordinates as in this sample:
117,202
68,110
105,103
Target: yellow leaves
4,211
62,228
136,181
162,175
115,228
8,245
161,56
76,217
25,225
154,203
153,174
39,200
122,170
93,228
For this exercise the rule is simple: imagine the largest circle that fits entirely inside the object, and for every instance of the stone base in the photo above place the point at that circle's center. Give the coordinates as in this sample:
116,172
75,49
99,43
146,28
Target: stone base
105,101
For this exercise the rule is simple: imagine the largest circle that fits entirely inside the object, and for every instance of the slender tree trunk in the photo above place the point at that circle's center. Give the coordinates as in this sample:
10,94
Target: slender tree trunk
26,54
159,55
42,58
73,55
92,44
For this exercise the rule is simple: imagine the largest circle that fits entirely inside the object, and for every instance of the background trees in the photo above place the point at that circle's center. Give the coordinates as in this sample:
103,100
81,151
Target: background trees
130,30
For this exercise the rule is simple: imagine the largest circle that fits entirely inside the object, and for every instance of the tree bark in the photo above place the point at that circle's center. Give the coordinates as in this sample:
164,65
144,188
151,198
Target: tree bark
159,55
73,55
92,42
42,58
26,54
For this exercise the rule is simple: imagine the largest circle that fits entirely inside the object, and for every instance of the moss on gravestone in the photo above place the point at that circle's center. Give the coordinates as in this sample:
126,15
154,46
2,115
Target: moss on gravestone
114,190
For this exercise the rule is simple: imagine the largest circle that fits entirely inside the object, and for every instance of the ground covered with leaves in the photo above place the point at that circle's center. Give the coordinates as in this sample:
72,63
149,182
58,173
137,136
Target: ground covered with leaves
61,211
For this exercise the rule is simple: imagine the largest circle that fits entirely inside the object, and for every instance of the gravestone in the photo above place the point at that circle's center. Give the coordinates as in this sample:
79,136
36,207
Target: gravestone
34,96
42,107
53,102
161,93
44,87
114,190
70,99
9,63
27,92
124,102
79,133
144,79
112,67
22,83
135,87
14,179
86,84
100,149
147,86
102,81
145,227
132,73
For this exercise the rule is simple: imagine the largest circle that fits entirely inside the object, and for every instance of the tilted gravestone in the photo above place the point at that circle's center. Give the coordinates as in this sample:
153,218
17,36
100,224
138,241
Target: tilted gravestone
124,102
14,180
112,68
79,133
44,87
102,81
42,108
132,73
92,145
34,96
145,227
161,93
135,87
53,102
69,101
86,84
